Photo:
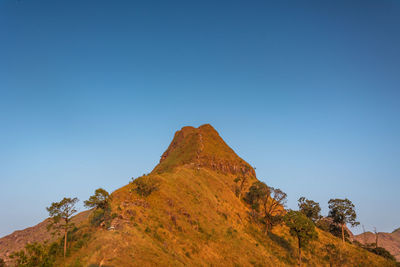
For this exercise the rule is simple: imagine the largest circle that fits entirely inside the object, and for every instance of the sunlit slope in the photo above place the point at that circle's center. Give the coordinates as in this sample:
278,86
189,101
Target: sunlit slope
195,219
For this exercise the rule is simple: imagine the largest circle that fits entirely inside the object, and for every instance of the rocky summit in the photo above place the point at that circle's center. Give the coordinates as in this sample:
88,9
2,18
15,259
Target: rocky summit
187,212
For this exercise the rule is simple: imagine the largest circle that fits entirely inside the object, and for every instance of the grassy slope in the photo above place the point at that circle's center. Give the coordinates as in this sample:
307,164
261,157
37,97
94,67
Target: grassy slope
195,219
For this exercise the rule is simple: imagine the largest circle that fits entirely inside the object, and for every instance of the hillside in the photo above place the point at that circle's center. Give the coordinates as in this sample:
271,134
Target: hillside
38,233
389,241
196,219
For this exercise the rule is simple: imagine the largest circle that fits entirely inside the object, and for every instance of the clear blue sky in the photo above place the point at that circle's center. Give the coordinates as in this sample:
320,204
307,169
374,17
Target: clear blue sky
91,93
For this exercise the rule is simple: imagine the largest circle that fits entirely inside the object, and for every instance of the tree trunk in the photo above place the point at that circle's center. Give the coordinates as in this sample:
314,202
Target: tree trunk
299,252
65,243
343,233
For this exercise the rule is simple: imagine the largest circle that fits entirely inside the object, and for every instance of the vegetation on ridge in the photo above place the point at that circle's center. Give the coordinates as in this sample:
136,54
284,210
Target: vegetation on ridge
189,212
60,214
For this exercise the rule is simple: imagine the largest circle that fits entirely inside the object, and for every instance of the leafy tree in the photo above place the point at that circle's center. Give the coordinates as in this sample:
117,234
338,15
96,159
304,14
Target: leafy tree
2,263
310,208
61,214
257,192
300,227
270,200
100,199
342,212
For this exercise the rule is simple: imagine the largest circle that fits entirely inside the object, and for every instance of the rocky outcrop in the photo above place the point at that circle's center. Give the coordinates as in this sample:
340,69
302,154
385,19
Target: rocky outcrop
202,148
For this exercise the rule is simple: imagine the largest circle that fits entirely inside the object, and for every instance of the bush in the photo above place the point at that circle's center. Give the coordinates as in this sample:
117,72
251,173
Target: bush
34,254
379,251
383,252
2,263
146,185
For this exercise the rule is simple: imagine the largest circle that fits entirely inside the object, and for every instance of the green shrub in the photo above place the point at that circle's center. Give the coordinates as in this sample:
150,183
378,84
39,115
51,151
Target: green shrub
146,185
379,251
34,254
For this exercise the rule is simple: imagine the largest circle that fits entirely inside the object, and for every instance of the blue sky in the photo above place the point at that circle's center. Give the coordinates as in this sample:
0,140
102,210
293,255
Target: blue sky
91,93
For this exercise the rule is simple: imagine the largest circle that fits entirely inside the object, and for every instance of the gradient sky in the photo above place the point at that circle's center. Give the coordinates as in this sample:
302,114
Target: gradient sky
91,93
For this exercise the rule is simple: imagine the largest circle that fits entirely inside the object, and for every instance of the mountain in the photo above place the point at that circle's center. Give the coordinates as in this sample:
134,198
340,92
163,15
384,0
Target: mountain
389,241
195,218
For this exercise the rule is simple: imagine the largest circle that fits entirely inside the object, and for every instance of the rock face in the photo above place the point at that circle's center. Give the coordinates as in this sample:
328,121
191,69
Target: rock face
202,148
389,241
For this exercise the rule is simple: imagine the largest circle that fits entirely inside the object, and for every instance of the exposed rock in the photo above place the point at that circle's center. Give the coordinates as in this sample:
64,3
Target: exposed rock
202,148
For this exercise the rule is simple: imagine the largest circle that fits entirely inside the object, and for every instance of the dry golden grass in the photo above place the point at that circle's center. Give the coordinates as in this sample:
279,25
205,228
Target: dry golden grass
195,219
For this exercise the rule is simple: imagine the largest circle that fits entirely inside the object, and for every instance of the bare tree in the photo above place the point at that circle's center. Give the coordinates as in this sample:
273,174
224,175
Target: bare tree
376,237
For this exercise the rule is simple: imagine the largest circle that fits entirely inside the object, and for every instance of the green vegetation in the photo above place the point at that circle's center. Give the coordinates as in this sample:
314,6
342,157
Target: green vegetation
302,228
100,201
60,214
192,210
49,255
35,255
145,185
310,208
342,212
2,263
271,201
382,252
377,250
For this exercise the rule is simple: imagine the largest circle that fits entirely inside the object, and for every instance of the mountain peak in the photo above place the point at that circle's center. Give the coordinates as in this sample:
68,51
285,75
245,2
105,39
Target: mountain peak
202,147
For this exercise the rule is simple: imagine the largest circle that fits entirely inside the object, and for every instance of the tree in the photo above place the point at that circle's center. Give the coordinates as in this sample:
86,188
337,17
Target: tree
300,227
271,201
100,199
61,214
310,208
342,212
2,263
376,237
